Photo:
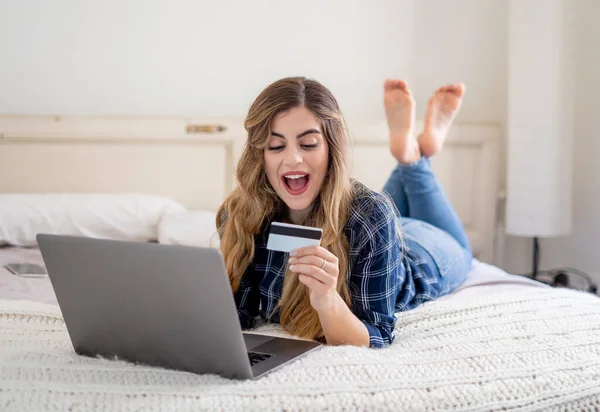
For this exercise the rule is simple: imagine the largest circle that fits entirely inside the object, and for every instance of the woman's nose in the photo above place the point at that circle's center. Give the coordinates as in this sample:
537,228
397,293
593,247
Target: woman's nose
292,157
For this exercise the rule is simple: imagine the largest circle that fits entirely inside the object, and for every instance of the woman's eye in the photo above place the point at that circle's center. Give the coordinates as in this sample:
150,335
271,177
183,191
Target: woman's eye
276,148
310,146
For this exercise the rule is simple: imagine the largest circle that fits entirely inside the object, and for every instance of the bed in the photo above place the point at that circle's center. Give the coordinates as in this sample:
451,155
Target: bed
501,342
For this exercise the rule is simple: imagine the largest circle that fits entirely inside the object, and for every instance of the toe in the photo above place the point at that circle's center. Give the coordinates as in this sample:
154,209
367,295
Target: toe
460,89
457,89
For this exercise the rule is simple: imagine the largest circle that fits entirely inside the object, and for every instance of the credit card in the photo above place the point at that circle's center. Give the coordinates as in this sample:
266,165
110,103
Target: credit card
285,237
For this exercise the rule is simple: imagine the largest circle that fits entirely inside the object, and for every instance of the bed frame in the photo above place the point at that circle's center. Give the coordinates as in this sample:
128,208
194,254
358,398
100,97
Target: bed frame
193,160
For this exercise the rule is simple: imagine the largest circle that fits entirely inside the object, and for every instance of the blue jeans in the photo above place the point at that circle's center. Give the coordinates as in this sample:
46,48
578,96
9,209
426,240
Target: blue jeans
431,228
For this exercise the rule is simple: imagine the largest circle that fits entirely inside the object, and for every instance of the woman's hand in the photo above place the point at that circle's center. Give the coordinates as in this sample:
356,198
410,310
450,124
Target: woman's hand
318,269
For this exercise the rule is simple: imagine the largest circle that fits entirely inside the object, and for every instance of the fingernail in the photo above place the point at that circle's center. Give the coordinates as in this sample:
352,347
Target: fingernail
292,260
293,253
292,267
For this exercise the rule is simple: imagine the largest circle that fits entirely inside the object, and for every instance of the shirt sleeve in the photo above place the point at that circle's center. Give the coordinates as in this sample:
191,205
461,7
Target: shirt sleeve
378,275
247,299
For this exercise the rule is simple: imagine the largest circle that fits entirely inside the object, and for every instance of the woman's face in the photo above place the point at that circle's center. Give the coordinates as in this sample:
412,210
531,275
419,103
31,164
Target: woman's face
296,158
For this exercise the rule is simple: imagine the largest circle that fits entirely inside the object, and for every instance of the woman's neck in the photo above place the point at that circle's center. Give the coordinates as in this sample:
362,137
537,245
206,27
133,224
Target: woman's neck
298,217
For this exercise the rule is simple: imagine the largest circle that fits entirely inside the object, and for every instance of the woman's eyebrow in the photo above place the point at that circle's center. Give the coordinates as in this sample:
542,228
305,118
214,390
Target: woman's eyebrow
309,131
304,133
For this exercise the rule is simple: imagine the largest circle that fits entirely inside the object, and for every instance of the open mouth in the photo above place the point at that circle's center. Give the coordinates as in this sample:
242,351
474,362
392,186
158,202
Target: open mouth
295,183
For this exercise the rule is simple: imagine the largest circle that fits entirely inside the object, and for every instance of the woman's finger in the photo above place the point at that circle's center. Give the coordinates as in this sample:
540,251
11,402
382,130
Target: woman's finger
316,261
318,274
316,251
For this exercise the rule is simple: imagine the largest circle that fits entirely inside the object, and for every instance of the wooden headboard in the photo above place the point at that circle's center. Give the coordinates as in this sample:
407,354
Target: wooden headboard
189,161
193,160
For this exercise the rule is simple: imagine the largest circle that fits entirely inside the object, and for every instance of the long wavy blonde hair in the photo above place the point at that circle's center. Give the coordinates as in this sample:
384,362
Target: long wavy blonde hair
254,202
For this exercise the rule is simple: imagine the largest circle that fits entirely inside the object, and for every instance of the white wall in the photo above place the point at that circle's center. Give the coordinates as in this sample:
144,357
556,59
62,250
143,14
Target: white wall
196,58
211,58
463,40
206,58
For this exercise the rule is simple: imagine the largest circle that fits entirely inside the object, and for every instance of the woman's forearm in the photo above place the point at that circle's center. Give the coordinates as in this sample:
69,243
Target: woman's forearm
341,326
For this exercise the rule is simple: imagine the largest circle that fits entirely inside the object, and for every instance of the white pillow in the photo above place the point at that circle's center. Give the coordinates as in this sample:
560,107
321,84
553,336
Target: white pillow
190,228
133,217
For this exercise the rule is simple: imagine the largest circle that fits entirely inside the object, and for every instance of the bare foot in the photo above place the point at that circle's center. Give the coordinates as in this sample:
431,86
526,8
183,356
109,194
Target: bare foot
443,107
400,113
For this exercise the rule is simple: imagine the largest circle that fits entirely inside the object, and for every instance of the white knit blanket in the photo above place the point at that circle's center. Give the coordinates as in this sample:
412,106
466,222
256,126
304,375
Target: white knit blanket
535,350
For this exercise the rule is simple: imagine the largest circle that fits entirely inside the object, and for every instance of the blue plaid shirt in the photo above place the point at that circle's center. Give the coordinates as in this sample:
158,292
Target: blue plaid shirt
383,277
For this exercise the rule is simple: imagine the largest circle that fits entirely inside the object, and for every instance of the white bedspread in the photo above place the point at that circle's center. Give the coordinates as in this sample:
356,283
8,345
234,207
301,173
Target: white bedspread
531,349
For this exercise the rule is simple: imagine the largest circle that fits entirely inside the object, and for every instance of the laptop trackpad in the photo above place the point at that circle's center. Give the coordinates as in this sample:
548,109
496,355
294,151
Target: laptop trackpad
252,340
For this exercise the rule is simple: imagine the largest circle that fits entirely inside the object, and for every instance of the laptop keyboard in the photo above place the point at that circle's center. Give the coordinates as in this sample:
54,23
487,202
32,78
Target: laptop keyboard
256,357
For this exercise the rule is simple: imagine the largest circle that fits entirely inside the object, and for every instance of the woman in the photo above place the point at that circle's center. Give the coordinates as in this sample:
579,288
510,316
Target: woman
371,263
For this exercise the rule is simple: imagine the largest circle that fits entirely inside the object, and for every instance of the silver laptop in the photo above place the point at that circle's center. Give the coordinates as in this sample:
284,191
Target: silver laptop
162,305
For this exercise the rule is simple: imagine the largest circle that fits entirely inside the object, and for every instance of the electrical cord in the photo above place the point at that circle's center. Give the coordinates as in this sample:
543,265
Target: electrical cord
560,277
561,273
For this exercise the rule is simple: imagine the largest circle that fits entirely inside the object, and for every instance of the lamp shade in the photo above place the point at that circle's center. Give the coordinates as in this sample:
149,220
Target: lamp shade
539,123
